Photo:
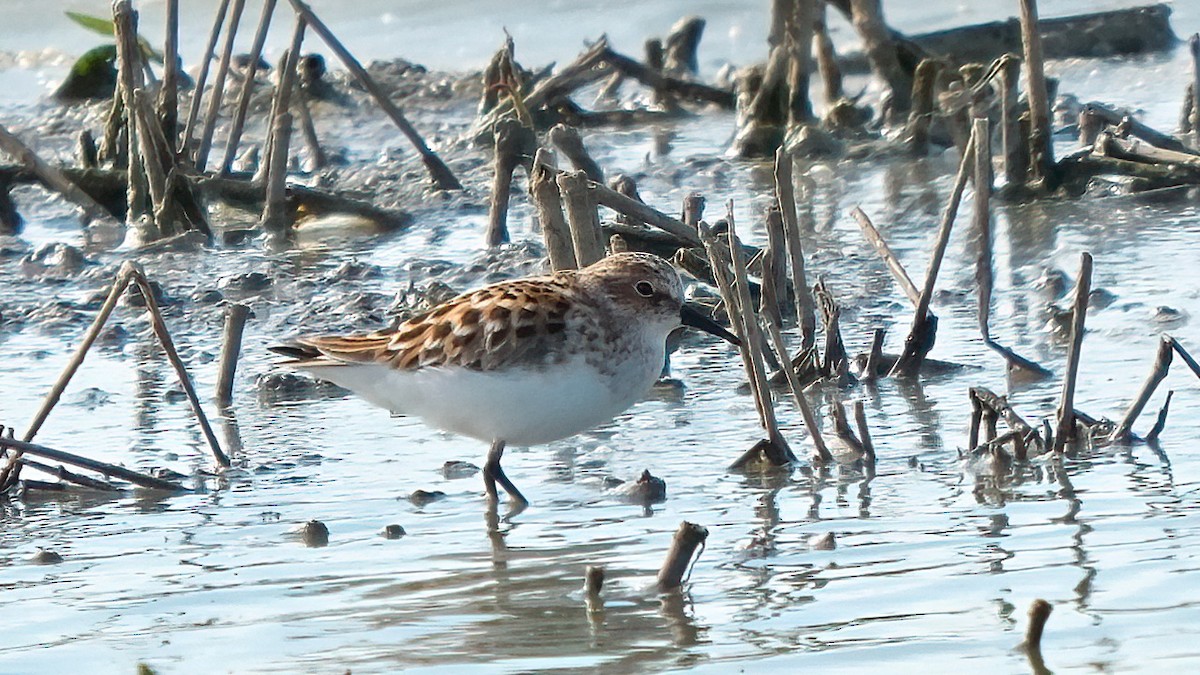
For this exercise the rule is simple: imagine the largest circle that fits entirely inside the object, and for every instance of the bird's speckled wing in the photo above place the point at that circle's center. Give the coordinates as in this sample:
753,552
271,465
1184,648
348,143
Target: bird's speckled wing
488,329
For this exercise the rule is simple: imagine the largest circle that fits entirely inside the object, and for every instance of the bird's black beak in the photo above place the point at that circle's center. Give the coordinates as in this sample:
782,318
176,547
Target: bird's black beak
690,316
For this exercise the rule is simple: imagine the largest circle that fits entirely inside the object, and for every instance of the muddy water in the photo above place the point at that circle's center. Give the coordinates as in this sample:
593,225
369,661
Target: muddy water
933,567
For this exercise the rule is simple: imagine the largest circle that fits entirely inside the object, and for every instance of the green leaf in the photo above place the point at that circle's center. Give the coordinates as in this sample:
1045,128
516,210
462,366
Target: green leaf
105,27
96,24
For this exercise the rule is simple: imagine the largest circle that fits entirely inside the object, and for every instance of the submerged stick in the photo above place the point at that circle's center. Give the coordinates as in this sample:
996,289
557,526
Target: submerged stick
1065,431
864,433
439,173
62,473
1039,612
1162,364
894,266
231,346
134,477
688,538
1161,421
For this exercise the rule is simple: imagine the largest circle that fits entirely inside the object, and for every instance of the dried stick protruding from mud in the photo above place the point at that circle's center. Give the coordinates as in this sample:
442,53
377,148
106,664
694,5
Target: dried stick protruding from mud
439,173
981,219
867,17
920,117
139,479
512,141
568,140
129,78
308,130
1194,48
774,331
643,213
1041,151
772,261
274,214
231,347
582,217
870,371
998,406
841,427
52,178
924,327
719,259
827,65
248,84
548,202
1162,364
778,451
688,538
876,240
1016,157
682,46
835,362
168,94
138,277
593,582
217,94
785,193
282,100
1065,431
1187,358
129,273
202,78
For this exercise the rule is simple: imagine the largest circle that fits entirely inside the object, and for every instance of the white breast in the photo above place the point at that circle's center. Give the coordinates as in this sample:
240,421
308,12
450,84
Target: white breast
522,406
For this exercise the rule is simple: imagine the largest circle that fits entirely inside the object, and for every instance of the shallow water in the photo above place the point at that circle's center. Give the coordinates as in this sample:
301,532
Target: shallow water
933,569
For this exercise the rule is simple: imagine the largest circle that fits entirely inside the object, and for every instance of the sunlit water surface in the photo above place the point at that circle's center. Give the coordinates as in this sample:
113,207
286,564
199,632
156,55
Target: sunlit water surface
933,569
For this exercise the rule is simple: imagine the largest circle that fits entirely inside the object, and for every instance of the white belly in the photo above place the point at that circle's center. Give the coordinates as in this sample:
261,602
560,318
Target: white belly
519,406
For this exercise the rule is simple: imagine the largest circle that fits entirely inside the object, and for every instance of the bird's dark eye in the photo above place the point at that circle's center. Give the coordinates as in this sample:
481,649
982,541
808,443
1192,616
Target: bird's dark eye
644,289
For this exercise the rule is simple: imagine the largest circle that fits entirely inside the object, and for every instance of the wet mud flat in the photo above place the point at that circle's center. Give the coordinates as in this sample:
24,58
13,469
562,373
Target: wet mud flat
931,555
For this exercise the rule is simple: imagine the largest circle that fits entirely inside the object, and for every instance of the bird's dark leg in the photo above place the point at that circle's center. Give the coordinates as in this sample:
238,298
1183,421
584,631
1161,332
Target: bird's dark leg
493,473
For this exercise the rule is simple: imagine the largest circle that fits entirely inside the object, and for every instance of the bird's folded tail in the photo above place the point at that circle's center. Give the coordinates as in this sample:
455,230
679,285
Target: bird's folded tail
297,351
